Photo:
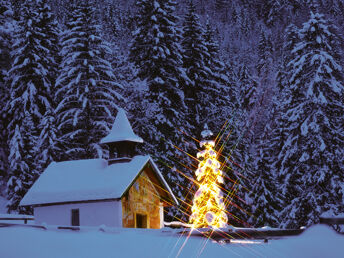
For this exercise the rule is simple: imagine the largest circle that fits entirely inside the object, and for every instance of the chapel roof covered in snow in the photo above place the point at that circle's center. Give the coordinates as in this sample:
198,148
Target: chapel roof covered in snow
121,130
89,180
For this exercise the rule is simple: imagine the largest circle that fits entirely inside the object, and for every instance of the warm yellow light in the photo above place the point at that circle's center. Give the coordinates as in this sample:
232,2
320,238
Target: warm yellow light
208,207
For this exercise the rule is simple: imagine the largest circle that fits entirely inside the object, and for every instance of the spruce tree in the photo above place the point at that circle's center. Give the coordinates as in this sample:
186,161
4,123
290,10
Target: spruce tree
47,143
245,23
265,50
237,161
30,99
49,38
291,38
23,171
248,89
211,97
266,75
265,200
220,93
155,50
49,149
86,88
270,10
198,95
159,100
6,33
222,116
7,28
241,149
311,164
30,86
277,122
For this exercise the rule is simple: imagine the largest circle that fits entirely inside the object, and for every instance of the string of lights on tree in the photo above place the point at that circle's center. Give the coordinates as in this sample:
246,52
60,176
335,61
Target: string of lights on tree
208,208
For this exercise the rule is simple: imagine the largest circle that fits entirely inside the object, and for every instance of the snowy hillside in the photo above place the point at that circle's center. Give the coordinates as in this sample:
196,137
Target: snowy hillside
266,76
318,241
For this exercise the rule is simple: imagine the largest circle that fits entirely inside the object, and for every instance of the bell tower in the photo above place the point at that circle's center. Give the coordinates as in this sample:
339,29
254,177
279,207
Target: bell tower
121,140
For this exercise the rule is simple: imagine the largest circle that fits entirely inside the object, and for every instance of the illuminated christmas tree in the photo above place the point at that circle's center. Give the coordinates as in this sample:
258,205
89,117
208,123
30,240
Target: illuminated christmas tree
208,206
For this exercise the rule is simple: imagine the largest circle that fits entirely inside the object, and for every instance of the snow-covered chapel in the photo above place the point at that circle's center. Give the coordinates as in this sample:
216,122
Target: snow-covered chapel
126,190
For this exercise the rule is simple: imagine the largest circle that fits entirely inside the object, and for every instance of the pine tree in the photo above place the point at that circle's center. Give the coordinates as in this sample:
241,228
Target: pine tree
270,10
30,99
221,96
277,122
278,7
6,25
233,149
23,170
245,23
311,163
7,28
111,18
30,86
265,91
265,50
49,40
225,117
264,198
198,94
290,40
156,52
49,149
241,149
86,88
211,97
159,100
248,89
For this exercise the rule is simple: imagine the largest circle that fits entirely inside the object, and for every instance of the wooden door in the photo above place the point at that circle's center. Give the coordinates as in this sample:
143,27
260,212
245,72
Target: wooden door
75,217
141,220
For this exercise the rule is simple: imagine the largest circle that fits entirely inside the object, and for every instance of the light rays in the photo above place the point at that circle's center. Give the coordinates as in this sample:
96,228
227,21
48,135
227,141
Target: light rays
232,174
223,136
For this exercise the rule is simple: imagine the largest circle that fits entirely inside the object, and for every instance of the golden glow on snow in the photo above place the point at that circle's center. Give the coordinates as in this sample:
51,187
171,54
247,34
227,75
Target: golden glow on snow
208,207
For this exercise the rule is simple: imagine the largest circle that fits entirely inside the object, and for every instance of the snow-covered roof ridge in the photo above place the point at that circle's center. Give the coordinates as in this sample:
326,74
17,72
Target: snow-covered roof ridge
88,180
121,130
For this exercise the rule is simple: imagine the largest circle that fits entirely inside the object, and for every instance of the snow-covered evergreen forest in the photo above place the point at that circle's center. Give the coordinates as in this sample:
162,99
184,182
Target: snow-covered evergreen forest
266,76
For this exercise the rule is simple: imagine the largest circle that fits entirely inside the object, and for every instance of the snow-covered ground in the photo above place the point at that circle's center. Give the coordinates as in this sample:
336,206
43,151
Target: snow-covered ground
15,219
18,242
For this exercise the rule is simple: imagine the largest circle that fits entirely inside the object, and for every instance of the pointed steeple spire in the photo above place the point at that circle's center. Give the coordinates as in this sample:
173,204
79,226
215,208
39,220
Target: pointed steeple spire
121,130
121,140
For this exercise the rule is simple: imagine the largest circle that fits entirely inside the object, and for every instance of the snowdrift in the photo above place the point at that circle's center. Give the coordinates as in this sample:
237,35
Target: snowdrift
20,241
